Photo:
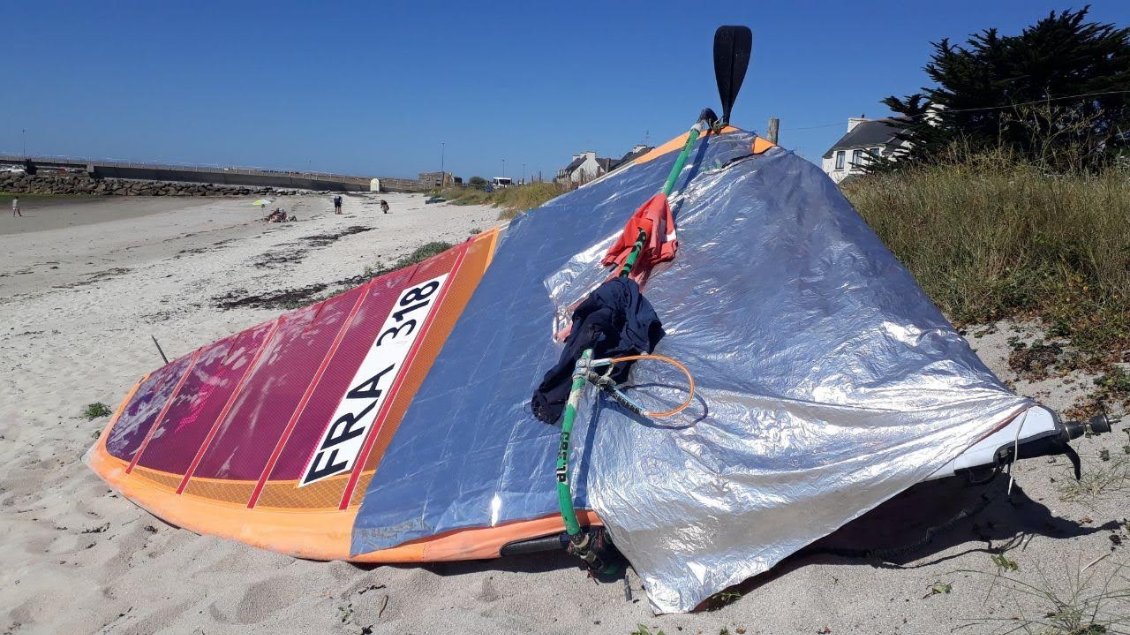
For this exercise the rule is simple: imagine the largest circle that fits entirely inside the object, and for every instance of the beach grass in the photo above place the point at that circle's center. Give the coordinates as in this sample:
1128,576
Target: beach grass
989,237
1083,601
1105,477
513,200
420,254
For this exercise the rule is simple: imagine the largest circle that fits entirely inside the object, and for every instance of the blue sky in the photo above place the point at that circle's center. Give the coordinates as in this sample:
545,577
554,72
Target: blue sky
375,88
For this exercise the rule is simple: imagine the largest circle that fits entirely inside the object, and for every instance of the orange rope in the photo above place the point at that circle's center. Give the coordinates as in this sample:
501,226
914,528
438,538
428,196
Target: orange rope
667,360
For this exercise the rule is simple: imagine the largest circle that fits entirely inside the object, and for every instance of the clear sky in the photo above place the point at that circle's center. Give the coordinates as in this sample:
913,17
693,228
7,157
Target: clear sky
377,88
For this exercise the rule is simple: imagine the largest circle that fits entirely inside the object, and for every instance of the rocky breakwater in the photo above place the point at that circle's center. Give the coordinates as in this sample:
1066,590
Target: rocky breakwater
82,184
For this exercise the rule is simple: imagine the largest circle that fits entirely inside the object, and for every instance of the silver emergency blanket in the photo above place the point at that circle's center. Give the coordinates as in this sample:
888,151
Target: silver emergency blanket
827,381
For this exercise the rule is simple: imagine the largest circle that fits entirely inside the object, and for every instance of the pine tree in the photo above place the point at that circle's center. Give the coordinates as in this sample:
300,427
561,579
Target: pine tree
1057,94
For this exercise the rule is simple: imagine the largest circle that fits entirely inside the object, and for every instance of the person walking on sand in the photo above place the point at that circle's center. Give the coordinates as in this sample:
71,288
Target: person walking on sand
384,206
16,208
337,205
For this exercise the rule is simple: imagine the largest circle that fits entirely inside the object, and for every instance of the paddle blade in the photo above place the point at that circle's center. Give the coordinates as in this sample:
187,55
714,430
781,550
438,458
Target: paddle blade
732,46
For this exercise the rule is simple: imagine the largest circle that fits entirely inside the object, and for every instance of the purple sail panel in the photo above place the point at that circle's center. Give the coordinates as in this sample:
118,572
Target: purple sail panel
140,413
200,400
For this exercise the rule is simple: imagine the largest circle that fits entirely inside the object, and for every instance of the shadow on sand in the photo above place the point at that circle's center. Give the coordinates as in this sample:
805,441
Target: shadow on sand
896,529
917,529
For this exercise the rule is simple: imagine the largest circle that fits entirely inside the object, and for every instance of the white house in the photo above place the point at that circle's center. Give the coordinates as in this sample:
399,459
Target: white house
848,155
586,166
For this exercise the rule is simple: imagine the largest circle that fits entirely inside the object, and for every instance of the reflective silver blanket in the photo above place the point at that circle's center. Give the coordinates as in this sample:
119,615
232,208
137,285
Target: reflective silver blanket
827,382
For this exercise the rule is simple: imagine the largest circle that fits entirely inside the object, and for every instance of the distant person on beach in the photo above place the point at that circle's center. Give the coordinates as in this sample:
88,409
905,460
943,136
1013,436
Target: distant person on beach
337,205
16,208
384,206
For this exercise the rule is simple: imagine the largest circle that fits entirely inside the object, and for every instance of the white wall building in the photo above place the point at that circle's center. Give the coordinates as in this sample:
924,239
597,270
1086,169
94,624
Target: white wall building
848,155
586,166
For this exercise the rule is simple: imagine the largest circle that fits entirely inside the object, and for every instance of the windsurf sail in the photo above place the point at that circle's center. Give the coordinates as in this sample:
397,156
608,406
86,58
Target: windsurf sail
827,383
272,434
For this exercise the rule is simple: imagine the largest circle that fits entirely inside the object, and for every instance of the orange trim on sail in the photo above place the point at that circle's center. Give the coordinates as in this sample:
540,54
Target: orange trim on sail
676,144
313,534
761,146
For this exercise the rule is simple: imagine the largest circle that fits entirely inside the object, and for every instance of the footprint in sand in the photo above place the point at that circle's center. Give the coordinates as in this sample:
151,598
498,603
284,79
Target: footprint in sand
33,611
154,620
258,602
126,546
488,592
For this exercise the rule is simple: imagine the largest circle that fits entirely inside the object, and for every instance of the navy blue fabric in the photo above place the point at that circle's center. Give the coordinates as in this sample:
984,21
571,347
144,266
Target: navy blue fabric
614,321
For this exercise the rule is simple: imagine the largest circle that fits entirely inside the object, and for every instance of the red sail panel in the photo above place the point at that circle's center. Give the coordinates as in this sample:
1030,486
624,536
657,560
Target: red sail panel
200,401
135,420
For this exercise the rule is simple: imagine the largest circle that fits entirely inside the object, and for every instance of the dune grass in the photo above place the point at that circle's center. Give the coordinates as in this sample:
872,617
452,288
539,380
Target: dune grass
420,254
988,237
1081,602
513,200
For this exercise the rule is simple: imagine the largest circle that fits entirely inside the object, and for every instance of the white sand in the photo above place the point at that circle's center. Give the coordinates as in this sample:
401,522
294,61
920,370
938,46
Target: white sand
77,306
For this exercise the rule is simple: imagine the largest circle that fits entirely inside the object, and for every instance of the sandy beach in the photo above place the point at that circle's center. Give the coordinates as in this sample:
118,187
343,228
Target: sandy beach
83,286
42,213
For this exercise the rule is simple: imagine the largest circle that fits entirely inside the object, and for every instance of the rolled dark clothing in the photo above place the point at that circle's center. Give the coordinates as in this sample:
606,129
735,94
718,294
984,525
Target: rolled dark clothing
614,320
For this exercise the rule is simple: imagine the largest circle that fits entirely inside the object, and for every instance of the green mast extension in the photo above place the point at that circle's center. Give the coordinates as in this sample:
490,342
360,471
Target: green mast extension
676,169
732,46
680,161
581,370
564,492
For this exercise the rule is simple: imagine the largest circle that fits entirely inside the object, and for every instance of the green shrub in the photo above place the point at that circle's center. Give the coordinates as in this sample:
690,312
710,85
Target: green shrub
515,200
421,253
96,410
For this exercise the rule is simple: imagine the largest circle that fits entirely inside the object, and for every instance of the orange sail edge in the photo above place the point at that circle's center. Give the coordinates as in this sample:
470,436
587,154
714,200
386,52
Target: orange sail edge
676,144
322,534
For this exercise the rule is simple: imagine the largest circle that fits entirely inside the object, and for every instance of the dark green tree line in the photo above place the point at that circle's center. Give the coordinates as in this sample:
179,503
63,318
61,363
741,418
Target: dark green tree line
1057,94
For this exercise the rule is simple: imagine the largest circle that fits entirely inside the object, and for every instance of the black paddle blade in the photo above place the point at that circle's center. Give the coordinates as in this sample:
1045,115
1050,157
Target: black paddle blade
732,46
